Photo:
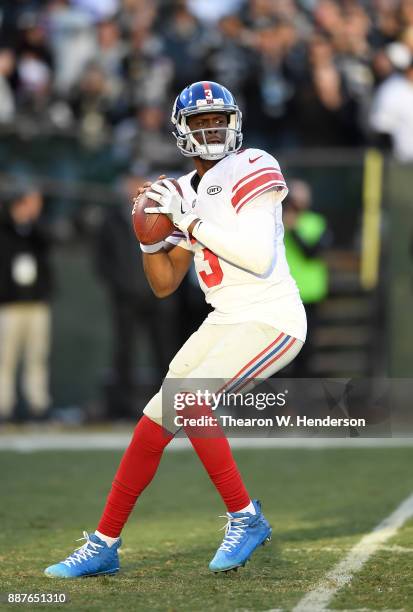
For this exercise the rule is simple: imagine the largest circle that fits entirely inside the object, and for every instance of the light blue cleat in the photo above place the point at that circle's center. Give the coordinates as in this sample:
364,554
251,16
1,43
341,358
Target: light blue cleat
94,558
244,532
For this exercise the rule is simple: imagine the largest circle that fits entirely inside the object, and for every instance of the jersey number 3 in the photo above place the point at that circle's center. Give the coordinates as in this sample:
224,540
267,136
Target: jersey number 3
213,278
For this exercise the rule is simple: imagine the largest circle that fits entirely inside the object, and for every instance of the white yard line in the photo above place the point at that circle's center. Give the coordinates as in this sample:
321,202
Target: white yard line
319,598
27,442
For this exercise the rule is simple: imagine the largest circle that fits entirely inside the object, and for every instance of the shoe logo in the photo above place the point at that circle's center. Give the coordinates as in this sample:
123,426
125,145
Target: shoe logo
255,159
193,203
214,189
182,210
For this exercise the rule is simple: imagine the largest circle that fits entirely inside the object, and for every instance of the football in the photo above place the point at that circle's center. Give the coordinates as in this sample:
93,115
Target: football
151,228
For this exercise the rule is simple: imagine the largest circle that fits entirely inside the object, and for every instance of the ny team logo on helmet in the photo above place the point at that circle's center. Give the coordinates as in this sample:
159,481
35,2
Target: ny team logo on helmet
206,97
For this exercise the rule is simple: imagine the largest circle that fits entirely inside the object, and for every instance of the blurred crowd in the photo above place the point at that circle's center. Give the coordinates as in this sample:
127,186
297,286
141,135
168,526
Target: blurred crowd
305,72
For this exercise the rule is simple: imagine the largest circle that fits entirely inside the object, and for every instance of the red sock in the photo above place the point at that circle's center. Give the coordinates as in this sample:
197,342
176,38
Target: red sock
135,472
213,449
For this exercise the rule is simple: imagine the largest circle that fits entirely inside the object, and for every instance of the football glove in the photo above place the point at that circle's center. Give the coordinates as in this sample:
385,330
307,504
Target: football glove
171,203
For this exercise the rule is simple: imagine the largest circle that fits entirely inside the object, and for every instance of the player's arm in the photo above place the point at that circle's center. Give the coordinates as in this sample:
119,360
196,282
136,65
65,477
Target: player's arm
165,264
166,269
251,242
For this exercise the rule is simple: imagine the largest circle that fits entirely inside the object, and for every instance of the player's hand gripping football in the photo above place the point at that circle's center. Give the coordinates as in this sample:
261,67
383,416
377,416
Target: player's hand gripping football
147,185
171,203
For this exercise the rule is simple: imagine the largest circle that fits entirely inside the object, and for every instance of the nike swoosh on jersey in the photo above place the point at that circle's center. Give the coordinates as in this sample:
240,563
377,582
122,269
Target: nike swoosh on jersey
255,159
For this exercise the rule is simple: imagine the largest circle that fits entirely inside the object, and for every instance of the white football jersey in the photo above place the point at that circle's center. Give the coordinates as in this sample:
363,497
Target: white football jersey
226,190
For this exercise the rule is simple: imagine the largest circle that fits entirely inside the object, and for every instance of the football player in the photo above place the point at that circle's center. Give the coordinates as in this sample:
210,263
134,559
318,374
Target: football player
229,221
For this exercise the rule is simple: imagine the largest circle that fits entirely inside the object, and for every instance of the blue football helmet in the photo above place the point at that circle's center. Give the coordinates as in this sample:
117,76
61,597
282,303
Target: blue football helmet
206,97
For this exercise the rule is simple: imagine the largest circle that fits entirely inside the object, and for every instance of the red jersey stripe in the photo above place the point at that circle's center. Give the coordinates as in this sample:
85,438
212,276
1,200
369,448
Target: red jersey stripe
272,169
259,181
263,190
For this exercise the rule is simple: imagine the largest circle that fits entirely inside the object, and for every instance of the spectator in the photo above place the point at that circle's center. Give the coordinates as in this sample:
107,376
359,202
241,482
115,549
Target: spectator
95,105
354,61
306,236
147,68
32,38
138,15
382,66
386,27
72,40
109,63
25,292
230,58
268,101
326,114
144,138
391,115
183,44
111,51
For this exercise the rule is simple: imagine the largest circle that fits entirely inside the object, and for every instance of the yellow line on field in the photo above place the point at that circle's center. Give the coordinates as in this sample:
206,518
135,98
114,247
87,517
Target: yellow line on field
372,197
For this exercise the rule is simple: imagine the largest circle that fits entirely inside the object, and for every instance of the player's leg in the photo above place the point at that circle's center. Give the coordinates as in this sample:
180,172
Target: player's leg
137,468
237,353
243,351
142,457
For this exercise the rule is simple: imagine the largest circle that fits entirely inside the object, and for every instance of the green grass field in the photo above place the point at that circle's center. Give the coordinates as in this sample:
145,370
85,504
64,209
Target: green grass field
320,503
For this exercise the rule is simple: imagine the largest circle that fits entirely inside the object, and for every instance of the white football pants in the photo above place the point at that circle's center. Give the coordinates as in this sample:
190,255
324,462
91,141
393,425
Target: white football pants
229,355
